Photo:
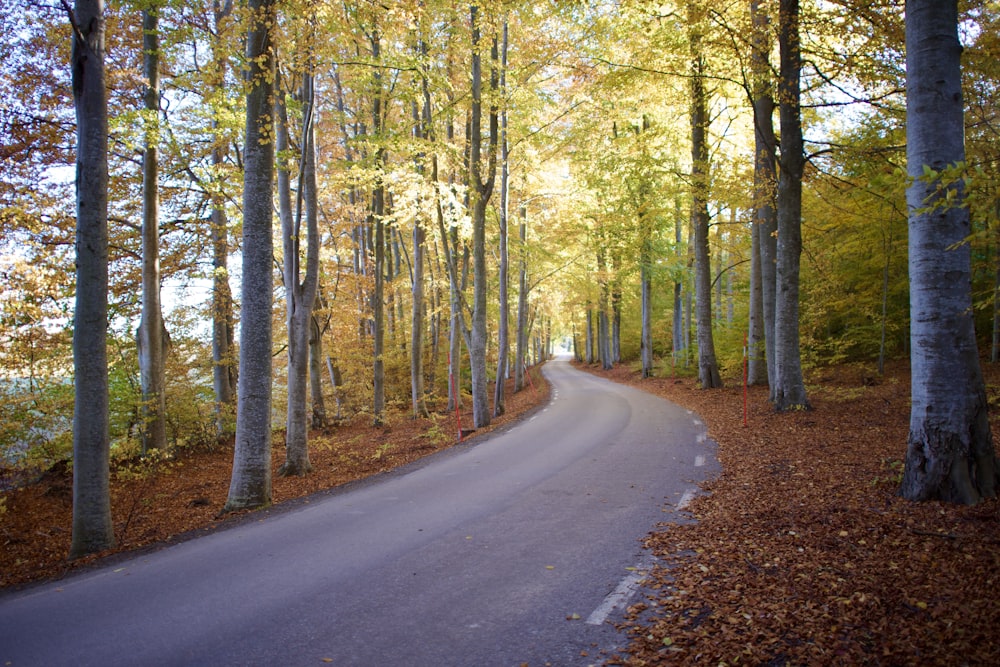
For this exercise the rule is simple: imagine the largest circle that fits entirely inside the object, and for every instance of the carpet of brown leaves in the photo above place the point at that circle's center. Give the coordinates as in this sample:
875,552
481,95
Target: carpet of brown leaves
180,497
802,554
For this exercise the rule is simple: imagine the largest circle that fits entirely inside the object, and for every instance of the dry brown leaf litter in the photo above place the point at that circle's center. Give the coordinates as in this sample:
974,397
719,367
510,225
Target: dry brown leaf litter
802,554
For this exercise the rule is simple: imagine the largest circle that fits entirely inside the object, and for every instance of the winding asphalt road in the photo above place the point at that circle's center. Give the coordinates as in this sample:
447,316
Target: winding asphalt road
522,548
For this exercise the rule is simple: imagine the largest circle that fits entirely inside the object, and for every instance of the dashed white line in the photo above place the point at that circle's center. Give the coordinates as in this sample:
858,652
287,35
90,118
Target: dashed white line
702,437
617,598
686,499
699,461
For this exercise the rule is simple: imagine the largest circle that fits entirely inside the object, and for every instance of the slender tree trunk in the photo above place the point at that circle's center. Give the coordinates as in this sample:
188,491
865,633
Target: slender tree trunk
789,389
678,310
764,179
316,356
481,189
708,368
503,329
646,297
590,336
152,338
950,454
92,527
756,365
522,300
376,221
300,290
223,320
250,485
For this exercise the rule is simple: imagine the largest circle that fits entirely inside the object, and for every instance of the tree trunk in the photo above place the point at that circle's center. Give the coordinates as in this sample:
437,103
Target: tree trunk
300,290
250,485
152,338
950,454
756,364
223,326
646,297
92,527
764,181
522,301
319,418
789,387
708,368
503,344
481,189
376,221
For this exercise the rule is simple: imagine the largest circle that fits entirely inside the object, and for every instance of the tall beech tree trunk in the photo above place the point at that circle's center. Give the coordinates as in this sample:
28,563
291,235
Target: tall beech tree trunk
764,182
789,387
950,454
503,328
250,485
482,189
376,222
522,300
152,337
223,321
300,289
92,528
708,367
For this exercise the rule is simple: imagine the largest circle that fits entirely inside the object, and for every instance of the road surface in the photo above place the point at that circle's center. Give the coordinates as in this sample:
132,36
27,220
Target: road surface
523,548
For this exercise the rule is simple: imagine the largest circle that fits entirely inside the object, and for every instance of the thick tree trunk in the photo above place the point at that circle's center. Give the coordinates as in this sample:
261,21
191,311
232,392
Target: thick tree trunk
250,485
764,182
92,528
708,368
789,387
950,454
152,338
756,363
316,356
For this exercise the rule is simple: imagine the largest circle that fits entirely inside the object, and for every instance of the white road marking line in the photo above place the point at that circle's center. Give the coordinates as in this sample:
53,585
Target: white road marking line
686,499
702,437
699,461
698,422
617,598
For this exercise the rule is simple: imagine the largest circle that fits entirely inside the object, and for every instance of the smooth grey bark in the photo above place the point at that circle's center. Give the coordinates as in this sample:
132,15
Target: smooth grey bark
789,388
316,357
92,527
481,189
708,368
646,298
301,289
421,132
590,336
764,180
522,300
678,304
223,321
250,485
756,363
151,337
376,222
603,332
950,454
503,328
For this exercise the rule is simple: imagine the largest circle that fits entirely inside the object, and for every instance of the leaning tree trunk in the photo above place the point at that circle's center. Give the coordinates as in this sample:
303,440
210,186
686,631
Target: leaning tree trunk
708,367
950,454
250,485
92,528
152,338
789,387
764,183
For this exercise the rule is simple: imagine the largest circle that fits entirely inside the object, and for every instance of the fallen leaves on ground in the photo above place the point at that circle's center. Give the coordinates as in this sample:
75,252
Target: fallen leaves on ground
803,554
164,499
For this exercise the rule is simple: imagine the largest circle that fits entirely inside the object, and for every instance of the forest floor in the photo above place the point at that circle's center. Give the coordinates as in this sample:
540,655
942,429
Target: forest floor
802,553
172,499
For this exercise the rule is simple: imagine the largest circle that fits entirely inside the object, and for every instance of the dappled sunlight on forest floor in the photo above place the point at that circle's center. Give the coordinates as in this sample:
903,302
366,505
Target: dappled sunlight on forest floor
174,498
803,554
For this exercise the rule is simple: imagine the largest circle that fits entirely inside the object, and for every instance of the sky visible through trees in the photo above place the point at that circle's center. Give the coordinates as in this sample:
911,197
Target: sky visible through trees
619,145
